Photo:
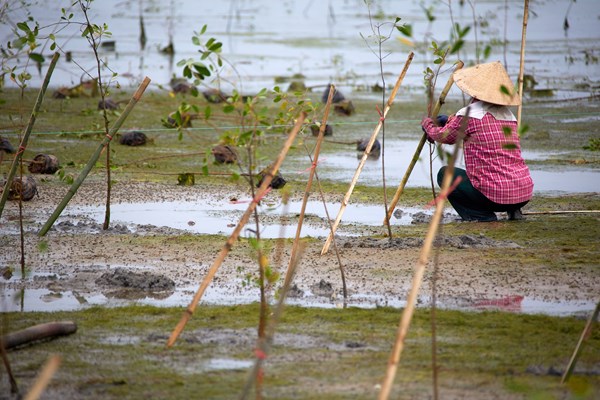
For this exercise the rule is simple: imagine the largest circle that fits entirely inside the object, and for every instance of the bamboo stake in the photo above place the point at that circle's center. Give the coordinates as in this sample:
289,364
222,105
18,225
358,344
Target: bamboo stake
366,153
108,137
311,176
436,109
418,276
562,212
265,343
187,314
522,63
28,129
43,378
587,331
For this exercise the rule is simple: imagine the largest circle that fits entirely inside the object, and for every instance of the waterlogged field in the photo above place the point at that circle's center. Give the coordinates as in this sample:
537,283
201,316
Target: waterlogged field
511,299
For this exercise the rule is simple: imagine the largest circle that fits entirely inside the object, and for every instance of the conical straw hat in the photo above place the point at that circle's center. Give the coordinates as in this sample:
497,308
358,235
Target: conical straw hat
488,82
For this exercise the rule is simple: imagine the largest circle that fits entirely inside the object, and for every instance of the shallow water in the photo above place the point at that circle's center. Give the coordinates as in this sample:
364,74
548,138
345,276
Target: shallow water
214,217
342,167
44,300
321,40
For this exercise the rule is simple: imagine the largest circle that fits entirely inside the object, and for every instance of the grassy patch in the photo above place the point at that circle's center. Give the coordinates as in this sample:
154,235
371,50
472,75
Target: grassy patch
318,353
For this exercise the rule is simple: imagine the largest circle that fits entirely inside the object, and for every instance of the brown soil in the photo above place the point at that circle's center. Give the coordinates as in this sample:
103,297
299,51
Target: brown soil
378,271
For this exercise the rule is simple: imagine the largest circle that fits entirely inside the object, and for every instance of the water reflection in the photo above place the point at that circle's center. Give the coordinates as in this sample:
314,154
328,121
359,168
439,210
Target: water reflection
45,300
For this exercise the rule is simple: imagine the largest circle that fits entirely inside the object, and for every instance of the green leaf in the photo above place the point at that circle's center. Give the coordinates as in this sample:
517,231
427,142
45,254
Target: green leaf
457,46
24,27
201,69
523,129
203,29
405,29
19,43
196,41
504,90
487,51
37,57
207,112
216,47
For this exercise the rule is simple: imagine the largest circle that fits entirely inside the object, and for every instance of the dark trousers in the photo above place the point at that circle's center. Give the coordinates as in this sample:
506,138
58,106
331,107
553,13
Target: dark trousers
470,203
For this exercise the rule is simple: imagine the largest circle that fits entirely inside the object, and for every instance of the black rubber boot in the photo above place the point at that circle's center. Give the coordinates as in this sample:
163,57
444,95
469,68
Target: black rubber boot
515,215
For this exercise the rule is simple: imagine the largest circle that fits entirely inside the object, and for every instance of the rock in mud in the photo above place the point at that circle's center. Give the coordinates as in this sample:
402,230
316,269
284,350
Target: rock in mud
147,281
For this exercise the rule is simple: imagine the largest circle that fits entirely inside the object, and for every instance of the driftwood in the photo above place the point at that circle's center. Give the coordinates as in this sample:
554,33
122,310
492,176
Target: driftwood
38,332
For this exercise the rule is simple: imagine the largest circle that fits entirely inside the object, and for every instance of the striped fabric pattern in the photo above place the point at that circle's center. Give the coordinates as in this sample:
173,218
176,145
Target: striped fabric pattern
492,153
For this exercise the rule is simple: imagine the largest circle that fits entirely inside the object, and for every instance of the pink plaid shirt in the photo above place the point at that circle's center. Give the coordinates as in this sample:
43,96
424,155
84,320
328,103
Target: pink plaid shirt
493,159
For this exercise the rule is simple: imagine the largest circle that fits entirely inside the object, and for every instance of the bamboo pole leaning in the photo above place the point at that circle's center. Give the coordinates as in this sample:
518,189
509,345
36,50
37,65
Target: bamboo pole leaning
366,153
436,109
28,129
522,62
107,138
313,169
48,371
262,190
408,312
587,331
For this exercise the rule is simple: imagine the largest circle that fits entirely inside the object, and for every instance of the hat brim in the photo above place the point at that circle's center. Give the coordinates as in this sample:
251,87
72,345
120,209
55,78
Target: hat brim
488,82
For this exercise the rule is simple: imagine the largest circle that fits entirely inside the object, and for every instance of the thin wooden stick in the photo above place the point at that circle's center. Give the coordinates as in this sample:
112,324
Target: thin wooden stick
522,63
562,212
43,378
366,153
265,343
24,140
187,314
107,138
436,109
587,331
311,176
418,275
14,387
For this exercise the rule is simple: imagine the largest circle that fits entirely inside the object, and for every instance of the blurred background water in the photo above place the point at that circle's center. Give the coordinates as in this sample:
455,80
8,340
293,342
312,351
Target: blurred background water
325,41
